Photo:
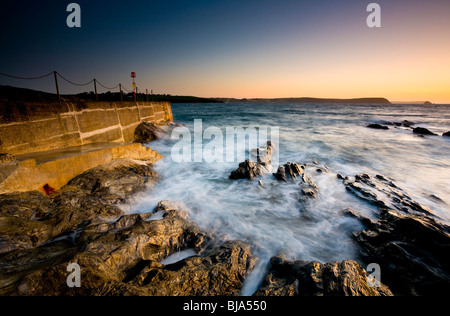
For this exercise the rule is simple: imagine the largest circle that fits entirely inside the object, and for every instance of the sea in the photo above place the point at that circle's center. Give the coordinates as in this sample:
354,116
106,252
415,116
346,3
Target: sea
270,215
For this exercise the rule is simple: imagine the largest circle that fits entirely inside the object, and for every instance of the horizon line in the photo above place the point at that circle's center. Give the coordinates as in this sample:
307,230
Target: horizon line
261,98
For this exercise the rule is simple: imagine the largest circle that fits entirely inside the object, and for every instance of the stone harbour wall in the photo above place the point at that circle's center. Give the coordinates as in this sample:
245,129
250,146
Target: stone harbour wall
27,127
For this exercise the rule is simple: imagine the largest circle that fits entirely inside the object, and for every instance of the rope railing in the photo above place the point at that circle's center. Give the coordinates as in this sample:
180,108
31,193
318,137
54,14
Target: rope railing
95,81
74,83
25,78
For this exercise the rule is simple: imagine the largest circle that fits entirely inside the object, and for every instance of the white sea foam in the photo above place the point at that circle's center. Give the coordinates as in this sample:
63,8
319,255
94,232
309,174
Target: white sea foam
178,256
271,217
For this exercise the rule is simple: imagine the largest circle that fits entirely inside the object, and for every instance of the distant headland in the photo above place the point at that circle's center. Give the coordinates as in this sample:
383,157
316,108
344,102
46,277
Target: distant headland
13,93
313,100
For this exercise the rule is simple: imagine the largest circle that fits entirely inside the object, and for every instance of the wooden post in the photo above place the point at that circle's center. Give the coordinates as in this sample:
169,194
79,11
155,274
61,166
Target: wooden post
57,85
95,87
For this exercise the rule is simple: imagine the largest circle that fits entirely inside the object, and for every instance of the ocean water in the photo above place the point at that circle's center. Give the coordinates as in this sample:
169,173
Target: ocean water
269,215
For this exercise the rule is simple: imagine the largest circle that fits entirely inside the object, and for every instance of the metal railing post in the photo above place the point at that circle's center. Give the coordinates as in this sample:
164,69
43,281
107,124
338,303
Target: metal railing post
57,85
95,88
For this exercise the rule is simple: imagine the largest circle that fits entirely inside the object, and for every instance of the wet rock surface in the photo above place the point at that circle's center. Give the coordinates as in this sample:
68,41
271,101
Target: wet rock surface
423,131
409,242
147,132
250,169
118,254
291,170
309,278
377,126
382,192
404,123
122,254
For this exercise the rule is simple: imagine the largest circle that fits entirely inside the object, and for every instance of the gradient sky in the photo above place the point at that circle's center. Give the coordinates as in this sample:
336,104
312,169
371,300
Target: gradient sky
235,48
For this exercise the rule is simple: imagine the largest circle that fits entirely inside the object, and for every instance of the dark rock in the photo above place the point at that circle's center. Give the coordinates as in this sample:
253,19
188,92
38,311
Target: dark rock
115,185
382,192
263,154
408,241
404,123
290,169
118,254
250,169
367,222
446,134
122,258
147,132
309,192
29,205
423,131
377,126
411,250
304,278
20,225
308,188
436,198
294,171
30,219
407,123
219,271
132,238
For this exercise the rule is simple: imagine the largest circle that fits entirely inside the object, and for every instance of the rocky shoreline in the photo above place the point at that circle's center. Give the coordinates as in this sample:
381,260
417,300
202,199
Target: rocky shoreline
119,254
419,131
124,254
409,242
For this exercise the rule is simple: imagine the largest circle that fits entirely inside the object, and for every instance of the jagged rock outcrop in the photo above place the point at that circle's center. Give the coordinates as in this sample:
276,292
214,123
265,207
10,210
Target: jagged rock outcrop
383,192
306,278
147,132
408,241
250,169
218,271
291,170
308,187
118,254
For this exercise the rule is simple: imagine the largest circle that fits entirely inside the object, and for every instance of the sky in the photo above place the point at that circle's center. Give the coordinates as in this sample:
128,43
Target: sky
234,48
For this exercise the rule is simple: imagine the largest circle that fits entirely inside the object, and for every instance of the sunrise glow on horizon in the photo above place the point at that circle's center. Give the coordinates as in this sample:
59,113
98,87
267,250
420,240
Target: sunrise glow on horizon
240,49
